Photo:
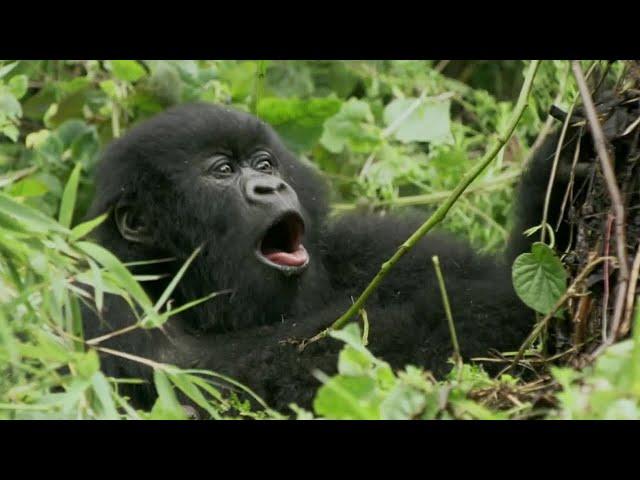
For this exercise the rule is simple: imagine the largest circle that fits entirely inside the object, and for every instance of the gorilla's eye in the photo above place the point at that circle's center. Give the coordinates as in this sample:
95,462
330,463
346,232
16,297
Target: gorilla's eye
263,165
221,168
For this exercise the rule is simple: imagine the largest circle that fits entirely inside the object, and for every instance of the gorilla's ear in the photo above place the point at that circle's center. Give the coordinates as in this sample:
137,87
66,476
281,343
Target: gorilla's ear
131,225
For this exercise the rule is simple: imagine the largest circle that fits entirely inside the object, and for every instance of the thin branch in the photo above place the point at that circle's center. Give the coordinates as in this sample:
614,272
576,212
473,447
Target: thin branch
447,309
556,158
435,197
633,281
614,193
444,208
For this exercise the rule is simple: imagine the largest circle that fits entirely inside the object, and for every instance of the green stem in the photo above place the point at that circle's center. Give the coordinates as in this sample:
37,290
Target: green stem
261,72
442,211
447,309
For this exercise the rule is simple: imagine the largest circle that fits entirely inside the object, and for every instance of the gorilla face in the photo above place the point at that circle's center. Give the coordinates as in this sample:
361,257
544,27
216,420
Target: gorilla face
201,175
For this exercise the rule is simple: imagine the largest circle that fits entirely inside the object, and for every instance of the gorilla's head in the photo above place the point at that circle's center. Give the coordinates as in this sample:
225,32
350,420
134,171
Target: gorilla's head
205,175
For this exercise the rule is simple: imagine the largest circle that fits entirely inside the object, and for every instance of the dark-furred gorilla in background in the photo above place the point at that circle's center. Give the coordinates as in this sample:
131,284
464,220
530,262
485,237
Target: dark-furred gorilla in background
205,175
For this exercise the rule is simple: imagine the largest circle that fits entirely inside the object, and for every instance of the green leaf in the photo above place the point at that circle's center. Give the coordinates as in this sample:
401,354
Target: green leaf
103,392
28,216
352,127
28,187
87,364
84,228
127,70
68,202
119,271
298,122
402,403
18,86
167,406
430,121
5,69
539,278
11,131
185,383
348,398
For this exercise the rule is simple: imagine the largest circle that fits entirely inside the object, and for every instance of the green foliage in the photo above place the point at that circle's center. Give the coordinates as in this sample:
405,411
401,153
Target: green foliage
387,133
609,389
539,278
366,388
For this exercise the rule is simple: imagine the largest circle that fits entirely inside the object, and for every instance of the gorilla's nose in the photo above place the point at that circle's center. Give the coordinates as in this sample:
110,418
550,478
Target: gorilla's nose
262,189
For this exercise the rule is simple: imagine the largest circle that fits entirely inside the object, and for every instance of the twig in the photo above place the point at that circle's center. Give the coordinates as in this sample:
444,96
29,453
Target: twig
633,281
548,124
447,309
569,190
365,327
442,210
556,160
605,297
614,193
429,198
441,65
554,169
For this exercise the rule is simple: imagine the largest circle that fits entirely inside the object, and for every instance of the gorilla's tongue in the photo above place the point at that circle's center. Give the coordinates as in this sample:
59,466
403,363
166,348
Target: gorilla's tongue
293,259
282,243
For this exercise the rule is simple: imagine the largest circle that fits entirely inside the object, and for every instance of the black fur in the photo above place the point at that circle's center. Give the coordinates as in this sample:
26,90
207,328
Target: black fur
154,167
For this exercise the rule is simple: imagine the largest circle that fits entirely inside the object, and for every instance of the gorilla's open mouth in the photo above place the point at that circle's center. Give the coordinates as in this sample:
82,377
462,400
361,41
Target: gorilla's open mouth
281,246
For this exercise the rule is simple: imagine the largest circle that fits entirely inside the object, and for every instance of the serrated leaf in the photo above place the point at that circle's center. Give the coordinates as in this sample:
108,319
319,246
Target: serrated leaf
539,278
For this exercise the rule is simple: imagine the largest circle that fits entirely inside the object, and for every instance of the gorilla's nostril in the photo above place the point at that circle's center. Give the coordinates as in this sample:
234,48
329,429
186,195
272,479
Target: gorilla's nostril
263,189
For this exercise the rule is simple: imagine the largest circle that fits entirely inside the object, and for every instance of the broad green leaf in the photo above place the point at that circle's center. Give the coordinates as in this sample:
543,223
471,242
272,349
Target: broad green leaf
127,70
10,131
18,86
28,187
299,122
539,278
402,403
68,202
352,127
428,122
348,398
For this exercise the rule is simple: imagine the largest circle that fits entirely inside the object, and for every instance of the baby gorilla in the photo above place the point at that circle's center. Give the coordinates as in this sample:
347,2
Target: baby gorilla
211,177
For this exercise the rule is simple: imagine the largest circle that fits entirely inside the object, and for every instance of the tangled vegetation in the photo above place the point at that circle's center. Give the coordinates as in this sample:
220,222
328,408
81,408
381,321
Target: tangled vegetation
389,135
